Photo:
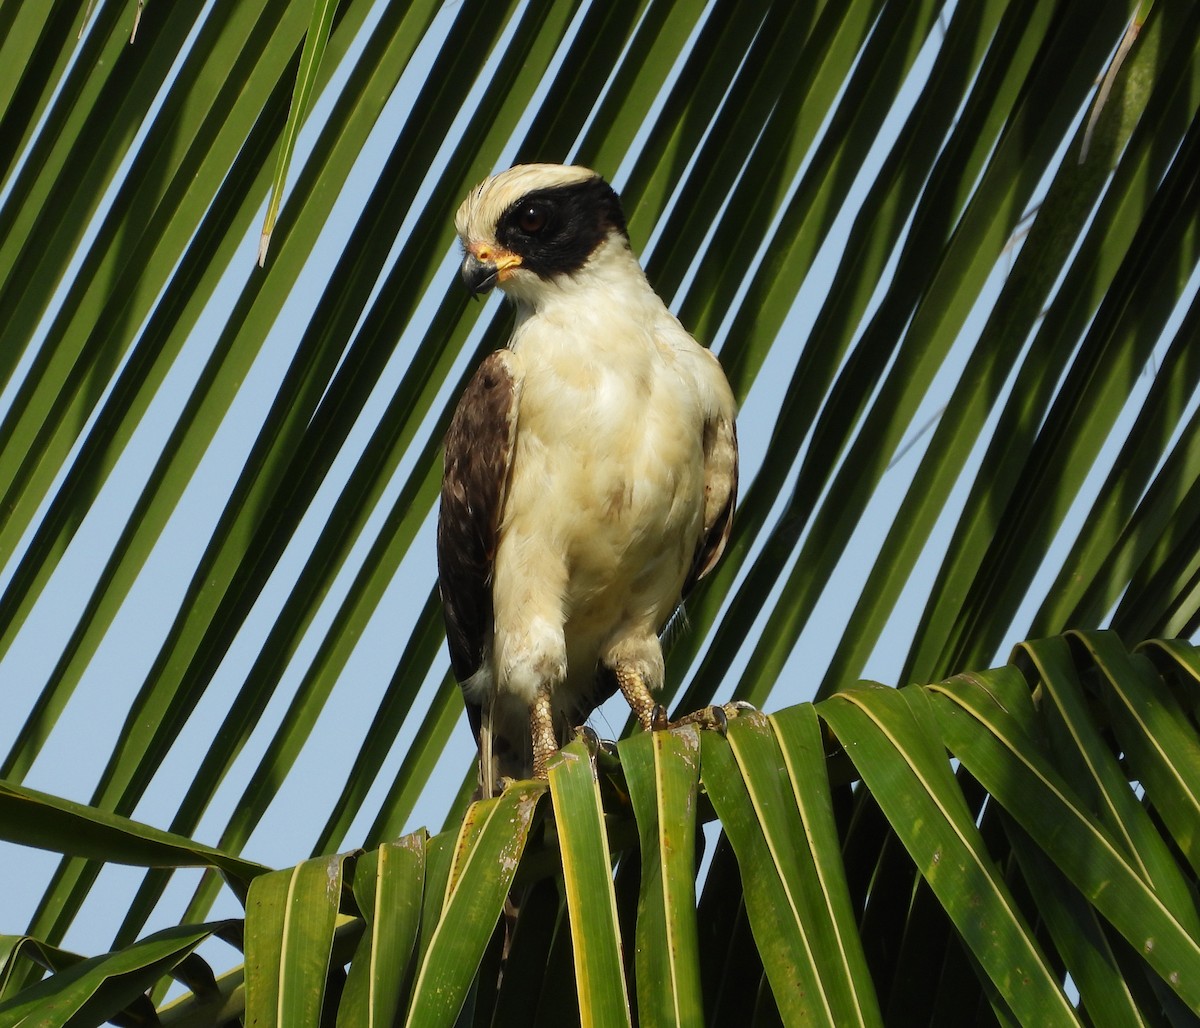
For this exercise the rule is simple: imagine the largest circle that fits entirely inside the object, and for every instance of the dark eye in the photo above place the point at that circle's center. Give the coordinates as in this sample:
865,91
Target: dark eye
531,219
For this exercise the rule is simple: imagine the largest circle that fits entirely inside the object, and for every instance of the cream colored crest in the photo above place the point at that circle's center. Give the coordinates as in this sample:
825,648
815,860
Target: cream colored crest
479,213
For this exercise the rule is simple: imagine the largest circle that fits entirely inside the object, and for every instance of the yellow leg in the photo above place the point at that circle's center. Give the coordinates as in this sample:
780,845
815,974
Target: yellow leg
637,695
541,730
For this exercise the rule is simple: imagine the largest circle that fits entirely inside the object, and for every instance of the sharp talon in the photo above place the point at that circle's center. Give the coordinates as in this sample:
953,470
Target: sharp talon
658,719
720,720
590,739
738,706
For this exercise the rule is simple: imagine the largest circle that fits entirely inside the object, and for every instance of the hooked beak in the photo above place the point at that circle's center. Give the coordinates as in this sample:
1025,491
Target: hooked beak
479,276
484,267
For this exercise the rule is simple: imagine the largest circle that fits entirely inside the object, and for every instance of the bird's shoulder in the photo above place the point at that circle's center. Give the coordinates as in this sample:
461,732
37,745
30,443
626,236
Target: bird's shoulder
486,411
703,367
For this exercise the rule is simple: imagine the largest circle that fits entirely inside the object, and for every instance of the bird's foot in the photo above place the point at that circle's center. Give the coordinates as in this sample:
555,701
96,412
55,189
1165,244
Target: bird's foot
653,715
712,718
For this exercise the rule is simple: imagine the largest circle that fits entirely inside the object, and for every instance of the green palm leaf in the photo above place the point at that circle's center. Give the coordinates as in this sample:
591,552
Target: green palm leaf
1037,880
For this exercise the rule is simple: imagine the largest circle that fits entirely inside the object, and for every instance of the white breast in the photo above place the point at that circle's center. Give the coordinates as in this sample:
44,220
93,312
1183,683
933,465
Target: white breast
605,506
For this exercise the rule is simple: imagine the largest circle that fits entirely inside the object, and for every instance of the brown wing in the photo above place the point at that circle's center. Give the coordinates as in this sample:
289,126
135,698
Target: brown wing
720,497
478,462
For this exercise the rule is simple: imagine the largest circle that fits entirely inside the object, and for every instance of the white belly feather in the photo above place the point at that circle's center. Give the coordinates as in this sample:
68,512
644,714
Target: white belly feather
606,502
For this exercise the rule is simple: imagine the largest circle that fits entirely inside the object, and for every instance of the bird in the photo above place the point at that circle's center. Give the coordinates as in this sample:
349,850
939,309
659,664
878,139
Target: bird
590,472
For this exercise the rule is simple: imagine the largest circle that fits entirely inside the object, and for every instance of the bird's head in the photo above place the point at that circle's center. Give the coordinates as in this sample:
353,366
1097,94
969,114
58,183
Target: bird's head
534,226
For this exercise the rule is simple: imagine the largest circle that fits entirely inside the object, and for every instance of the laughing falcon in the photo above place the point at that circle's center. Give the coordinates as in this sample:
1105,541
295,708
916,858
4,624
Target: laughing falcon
590,471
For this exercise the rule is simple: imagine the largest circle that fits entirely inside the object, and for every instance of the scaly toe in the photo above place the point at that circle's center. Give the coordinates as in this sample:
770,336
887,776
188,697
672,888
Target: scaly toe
714,717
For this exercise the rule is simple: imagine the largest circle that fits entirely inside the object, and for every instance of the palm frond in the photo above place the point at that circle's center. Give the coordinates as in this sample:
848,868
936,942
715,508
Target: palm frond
1041,838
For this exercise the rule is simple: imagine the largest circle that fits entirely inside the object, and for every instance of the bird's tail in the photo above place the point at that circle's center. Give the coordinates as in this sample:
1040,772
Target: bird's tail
487,763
